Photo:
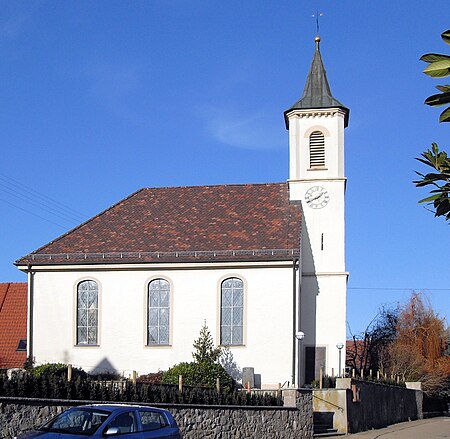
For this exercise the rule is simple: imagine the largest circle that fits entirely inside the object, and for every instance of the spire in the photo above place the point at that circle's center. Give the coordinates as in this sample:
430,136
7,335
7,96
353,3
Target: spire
317,92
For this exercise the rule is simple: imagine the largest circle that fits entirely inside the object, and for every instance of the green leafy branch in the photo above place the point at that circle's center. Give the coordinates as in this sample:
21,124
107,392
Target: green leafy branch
439,197
439,67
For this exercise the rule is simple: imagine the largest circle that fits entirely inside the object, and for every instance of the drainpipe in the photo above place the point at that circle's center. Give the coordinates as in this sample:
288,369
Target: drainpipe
30,312
295,265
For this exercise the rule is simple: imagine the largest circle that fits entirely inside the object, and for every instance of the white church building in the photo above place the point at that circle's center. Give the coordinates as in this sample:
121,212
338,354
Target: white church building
262,264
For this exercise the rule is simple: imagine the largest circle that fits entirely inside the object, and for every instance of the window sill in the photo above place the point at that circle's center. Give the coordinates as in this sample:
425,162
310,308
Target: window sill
319,168
86,346
158,346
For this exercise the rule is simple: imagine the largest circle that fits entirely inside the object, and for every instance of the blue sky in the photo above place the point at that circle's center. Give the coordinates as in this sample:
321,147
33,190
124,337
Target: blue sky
100,98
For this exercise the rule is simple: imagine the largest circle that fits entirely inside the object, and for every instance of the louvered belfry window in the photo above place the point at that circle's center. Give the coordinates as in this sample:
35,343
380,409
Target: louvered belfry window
87,313
232,312
158,312
316,150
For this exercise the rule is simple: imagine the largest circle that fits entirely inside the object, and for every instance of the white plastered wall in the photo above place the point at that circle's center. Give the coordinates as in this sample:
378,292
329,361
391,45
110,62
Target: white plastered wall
324,277
195,297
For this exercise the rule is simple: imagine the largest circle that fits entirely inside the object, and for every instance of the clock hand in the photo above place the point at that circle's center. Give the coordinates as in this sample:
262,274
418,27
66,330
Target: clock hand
315,198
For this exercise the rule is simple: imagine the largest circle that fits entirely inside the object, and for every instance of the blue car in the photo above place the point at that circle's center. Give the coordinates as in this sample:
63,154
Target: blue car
124,421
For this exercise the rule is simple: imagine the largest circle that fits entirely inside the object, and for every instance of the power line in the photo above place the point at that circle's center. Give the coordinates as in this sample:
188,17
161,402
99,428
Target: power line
19,190
398,289
32,213
46,208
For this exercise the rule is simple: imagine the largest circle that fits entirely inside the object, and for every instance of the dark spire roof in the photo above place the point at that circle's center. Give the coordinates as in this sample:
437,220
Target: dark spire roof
317,92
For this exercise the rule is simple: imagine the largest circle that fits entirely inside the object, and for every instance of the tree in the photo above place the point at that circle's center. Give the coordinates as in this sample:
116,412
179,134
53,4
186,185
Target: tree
205,369
368,351
419,351
204,349
438,67
411,342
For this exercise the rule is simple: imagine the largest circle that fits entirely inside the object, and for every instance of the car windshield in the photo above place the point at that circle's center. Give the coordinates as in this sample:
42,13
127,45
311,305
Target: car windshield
83,421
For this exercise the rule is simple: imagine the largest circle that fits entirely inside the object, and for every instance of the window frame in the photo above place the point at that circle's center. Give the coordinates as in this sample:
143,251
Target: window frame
22,345
163,422
232,343
169,312
76,308
136,426
316,142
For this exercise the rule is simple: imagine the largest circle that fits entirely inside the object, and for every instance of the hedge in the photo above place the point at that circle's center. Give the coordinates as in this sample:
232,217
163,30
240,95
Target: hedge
57,387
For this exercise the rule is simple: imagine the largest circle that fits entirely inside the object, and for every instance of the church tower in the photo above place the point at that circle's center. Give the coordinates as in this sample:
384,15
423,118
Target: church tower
317,180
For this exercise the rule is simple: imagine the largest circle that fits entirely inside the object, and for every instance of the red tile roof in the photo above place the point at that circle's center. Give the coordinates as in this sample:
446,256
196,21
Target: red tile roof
13,323
224,222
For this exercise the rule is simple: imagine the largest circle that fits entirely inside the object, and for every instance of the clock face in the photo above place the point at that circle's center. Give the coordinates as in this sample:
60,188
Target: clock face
317,197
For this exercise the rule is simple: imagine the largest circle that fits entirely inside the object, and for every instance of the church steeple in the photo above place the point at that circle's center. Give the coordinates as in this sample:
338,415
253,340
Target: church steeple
317,92
317,180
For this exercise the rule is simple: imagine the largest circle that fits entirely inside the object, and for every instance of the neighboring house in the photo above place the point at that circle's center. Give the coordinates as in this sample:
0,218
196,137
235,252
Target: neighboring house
13,324
131,288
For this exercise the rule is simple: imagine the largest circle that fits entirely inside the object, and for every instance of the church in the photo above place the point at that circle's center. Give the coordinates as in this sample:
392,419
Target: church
262,264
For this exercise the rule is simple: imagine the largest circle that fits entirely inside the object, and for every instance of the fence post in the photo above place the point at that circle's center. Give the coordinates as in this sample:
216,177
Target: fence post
218,384
332,372
362,373
180,383
69,372
378,375
353,373
279,390
134,378
321,378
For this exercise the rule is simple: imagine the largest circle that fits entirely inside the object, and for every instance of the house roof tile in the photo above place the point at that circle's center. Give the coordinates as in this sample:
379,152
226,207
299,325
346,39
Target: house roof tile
194,223
13,323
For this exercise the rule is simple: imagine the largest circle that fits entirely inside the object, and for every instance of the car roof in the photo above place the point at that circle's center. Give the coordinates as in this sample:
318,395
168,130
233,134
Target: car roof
121,407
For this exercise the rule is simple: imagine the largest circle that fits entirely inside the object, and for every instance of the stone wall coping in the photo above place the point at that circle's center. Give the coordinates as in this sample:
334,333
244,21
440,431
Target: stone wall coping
359,381
75,402
303,390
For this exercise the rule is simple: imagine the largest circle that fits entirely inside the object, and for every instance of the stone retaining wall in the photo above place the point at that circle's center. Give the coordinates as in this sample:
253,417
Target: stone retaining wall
357,405
18,415
378,405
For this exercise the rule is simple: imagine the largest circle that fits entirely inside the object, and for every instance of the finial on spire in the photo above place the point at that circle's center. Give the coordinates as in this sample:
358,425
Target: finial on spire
317,40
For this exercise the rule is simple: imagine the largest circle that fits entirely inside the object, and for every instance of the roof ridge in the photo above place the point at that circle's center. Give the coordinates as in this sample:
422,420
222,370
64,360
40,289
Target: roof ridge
216,185
82,224
4,297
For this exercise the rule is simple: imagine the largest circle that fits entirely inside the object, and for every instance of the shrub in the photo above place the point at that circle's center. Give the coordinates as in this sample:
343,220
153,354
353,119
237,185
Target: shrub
327,383
28,385
199,374
153,378
56,370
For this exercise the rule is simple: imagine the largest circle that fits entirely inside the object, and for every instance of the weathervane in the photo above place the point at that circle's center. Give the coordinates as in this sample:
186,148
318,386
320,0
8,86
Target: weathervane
317,15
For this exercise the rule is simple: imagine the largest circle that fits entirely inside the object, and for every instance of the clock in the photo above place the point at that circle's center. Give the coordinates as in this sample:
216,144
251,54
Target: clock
317,197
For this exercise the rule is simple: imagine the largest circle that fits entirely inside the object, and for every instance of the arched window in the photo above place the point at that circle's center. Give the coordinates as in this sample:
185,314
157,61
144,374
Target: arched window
316,150
158,312
232,312
87,313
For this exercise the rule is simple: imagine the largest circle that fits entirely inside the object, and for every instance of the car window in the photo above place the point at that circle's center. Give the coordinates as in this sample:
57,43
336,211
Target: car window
152,420
125,422
77,421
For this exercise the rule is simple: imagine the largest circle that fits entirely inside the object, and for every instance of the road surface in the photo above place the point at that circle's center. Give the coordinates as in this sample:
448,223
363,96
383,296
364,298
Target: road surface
435,428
